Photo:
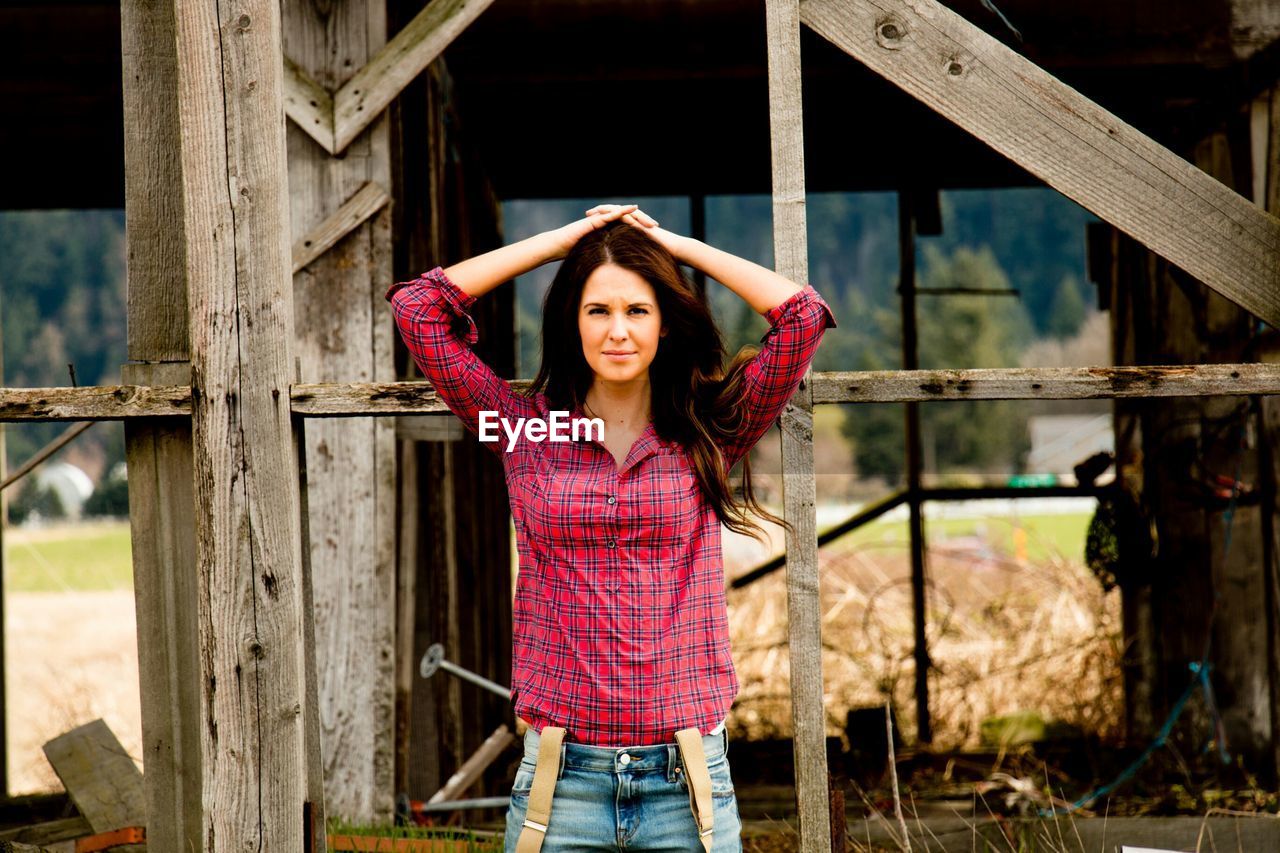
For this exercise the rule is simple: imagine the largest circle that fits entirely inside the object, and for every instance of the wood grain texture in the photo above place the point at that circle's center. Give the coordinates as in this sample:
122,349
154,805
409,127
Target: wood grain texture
94,403
340,203
1047,383
49,832
248,536
157,310
363,98
158,452
1057,134
100,778
389,399
309,105
367,201
804,606
166,600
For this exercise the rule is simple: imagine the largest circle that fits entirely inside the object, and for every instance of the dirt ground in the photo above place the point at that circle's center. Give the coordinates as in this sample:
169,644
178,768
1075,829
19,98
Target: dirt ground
70,657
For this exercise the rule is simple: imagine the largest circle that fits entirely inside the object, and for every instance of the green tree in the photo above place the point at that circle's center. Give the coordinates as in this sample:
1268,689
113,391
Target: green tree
1068,311
965,331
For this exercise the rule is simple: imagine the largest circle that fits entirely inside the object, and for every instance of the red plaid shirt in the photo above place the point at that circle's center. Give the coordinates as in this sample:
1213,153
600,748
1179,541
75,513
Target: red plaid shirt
621,633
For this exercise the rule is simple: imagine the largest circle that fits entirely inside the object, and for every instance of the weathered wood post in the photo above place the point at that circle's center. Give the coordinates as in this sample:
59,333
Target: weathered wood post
344,333
158,450
248,530
804,606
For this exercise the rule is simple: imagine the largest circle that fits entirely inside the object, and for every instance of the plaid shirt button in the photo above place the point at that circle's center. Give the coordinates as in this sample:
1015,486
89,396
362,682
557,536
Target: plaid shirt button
609,543
612,499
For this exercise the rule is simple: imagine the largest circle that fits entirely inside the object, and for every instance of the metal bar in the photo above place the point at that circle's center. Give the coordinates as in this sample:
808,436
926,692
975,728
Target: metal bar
433,659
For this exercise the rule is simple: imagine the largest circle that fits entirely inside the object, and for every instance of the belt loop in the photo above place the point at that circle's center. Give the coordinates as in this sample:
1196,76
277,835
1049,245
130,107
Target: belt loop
564,753
672,752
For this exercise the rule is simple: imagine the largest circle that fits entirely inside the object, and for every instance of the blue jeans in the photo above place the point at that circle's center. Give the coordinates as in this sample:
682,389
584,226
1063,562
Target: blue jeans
603,802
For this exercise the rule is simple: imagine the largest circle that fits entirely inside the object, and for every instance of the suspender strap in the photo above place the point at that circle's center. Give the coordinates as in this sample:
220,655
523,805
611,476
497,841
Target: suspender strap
538,814
698,778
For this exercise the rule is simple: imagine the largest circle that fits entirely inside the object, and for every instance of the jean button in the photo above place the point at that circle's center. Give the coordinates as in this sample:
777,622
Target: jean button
624,759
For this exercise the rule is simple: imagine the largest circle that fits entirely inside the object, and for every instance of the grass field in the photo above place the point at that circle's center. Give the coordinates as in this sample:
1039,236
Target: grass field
97,556
1045,535
68,558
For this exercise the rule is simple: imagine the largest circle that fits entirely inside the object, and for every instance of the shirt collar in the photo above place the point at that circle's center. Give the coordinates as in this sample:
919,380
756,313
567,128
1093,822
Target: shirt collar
648,444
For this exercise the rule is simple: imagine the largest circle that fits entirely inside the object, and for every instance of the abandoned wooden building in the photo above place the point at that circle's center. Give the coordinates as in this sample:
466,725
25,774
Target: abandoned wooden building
306,521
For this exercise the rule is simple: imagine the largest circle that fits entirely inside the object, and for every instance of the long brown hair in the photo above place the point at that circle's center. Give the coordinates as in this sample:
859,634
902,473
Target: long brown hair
696,400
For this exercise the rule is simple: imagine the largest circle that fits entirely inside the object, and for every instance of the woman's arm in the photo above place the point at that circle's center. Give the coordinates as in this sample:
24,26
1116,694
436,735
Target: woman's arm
428,312
761,288
477,276
433,316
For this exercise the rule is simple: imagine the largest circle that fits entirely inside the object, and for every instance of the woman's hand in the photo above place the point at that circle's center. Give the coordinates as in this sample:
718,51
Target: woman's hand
566,237
645,223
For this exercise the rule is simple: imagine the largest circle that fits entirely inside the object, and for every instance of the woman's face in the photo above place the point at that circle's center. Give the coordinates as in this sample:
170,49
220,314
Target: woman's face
620,324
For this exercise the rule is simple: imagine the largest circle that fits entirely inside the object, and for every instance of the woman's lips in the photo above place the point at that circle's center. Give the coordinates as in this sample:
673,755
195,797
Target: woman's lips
613,356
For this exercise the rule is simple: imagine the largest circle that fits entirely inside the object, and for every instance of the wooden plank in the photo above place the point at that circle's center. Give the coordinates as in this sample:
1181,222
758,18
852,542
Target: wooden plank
875,386
429,428
158,451
367,201
1048,383
1075,146
309,105
49,832
381,399
314,806
339,315
94,403
247,515
466,775
407,538
363,98
100,778
163,548
804,606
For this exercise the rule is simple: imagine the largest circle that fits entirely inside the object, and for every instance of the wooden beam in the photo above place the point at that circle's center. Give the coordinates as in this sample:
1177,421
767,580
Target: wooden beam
158,450
363,98
1057,134
367,201
341,227
1046,383
100,778
309,105
389,399
247,514
804,604
94,403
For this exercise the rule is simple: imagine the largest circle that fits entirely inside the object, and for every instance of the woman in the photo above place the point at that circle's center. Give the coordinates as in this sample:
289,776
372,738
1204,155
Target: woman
621,663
